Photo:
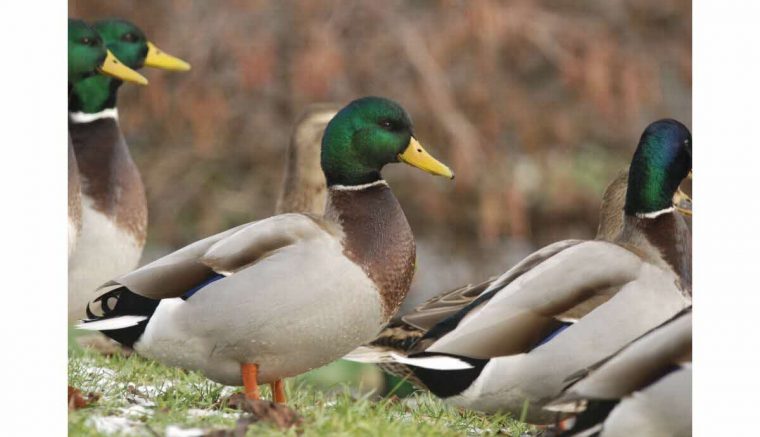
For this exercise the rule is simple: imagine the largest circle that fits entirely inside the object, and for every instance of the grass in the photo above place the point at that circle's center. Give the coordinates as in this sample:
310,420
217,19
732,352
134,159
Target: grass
142,397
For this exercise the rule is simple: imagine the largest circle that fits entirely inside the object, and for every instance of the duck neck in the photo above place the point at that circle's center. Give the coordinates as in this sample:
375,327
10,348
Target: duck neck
110,178
304,188
611,210
98,143
94,95
377,237
664,238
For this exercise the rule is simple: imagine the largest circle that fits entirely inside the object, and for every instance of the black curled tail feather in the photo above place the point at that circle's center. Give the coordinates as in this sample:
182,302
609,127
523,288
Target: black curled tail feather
122,302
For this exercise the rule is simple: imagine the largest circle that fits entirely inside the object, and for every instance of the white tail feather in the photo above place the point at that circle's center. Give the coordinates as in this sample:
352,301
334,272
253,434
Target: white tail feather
370,355
575,407
438,362
109,324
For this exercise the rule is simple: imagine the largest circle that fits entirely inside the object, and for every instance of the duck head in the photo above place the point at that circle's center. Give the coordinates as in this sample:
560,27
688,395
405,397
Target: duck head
367,134
661,161
88,56
130,44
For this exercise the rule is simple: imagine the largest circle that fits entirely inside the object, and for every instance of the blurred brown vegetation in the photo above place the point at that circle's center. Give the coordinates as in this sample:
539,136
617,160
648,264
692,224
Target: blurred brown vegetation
535,104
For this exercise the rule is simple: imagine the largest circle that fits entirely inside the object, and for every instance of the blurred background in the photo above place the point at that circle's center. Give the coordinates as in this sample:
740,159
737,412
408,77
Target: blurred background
536,105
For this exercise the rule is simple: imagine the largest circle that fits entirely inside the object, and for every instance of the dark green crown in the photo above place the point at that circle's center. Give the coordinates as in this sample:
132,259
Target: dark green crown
661,161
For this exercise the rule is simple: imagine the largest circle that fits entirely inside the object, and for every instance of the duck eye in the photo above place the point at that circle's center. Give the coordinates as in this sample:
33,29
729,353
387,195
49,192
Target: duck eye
86,41
386,124
129,37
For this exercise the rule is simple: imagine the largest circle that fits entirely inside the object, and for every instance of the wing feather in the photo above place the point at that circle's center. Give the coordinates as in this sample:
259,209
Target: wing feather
174,274
447,304
638,364
528,306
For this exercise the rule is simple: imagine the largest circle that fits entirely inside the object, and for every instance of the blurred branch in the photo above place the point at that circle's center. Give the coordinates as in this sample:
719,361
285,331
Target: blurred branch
467,144
562,85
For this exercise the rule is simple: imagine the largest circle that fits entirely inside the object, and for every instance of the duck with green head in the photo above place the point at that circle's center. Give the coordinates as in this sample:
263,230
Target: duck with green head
280,296
88,57
511,342
114,207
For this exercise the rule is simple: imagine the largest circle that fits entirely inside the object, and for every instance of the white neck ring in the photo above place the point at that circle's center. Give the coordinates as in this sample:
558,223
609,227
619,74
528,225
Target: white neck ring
359,187
655,214
84,117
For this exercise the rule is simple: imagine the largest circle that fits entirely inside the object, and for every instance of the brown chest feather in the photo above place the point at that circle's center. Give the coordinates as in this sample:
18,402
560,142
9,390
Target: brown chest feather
109,176
668,237
377,238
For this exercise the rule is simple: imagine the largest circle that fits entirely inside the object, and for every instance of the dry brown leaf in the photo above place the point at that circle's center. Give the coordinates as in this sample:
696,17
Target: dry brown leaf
279,415
77,400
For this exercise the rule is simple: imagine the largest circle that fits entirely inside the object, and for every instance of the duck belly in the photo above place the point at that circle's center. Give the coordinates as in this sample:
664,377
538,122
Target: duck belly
103,252
294,311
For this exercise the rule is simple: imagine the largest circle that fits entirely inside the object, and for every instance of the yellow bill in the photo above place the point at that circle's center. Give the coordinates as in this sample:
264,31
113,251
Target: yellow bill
159,59
114,68
416,156
682,202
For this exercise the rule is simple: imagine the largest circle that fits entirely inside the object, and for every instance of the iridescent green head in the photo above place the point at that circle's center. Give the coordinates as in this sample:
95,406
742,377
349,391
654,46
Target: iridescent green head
86,50
661,161
131,46
367,134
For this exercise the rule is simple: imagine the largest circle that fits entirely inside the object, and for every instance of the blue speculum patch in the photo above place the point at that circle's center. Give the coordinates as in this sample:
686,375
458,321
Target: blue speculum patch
213,278
554,333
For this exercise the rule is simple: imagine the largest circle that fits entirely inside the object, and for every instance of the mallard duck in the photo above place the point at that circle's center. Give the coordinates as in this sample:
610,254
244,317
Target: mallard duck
514,339
401,334
280,296
114,207
88,56
304,188
642,390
